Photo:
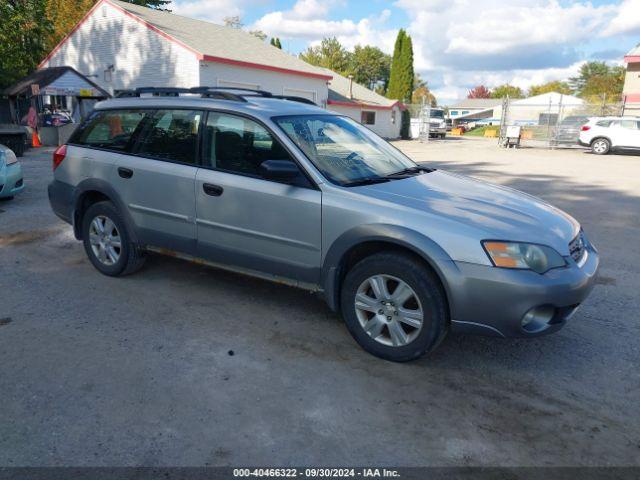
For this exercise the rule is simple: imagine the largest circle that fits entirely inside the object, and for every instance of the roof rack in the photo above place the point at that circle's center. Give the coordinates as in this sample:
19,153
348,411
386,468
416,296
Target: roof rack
222,93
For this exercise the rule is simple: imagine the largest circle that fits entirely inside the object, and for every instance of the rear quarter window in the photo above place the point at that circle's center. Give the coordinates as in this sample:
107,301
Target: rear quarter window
109,129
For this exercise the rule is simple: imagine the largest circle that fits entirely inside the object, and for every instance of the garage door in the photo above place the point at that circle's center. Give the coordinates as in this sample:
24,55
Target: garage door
296,92
232,84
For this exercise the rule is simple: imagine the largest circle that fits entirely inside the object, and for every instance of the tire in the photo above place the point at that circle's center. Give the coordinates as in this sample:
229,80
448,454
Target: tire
442,136
600,146
120,260
428,301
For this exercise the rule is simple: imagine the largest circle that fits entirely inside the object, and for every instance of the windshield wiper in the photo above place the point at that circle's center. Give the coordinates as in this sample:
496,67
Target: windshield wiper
366,181
410,171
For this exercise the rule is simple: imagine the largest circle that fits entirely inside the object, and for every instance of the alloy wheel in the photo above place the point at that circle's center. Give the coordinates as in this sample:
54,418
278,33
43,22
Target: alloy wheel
389,310
600,146
105,241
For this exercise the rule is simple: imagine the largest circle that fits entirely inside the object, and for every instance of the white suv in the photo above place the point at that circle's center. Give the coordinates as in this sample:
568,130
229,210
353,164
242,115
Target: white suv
611,133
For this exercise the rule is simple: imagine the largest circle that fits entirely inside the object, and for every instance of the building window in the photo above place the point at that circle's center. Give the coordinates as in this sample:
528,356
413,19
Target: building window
368,118
393,116
453,113
464,112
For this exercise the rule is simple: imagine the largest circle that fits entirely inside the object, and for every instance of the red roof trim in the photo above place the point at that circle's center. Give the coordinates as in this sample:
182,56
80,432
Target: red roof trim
156,29
211,58
66,37
632,97
198,54
632,58
363,105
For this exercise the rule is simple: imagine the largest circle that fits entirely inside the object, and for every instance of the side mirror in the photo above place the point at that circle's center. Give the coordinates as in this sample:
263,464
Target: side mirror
279,170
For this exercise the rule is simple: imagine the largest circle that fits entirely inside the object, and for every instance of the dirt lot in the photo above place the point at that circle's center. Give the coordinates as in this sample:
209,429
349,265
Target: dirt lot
186,365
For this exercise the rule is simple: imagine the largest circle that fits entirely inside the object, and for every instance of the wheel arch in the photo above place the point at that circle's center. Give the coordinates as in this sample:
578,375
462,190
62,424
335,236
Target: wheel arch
91,191
360,242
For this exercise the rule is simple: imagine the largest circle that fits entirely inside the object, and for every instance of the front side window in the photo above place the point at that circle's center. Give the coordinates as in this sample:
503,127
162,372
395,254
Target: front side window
238,145
171,135
109,129
343,150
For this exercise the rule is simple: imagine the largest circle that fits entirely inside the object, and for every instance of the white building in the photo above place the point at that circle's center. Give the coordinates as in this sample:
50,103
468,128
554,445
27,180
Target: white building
380,114
121,46
469,107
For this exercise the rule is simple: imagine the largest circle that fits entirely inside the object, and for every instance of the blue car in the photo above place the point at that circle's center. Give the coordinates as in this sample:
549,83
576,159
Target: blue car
11,181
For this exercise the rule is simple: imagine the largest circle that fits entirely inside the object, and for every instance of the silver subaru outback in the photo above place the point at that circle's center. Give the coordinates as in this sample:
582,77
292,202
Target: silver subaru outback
278,188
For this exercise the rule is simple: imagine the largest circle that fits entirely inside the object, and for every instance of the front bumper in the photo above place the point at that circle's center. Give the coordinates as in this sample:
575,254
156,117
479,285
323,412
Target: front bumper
437,130
493,301
11,180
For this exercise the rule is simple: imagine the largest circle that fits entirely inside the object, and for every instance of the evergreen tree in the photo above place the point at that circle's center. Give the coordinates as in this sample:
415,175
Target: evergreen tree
329,54
402,73
393,90
275,42
155,4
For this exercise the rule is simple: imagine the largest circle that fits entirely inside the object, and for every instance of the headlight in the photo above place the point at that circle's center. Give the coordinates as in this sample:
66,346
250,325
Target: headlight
9,157
538,258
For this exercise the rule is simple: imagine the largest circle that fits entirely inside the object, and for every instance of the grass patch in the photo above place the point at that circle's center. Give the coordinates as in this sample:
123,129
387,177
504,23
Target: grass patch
479,132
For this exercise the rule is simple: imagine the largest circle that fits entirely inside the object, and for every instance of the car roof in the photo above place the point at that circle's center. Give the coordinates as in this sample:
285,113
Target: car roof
261,107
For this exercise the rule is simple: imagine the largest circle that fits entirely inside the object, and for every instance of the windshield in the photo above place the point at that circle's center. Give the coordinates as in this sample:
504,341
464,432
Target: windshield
436,113
342,149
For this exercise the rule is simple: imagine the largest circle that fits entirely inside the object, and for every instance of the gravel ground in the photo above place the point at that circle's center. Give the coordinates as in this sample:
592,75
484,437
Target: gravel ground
183,365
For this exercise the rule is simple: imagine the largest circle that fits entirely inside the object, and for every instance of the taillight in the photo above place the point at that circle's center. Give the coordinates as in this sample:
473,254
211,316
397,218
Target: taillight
58,155
585,128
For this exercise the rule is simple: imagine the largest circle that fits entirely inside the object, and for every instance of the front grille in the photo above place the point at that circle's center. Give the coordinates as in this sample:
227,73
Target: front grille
577,247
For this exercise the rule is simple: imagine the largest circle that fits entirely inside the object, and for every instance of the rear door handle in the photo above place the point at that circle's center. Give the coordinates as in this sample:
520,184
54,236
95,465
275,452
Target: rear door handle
125,172
213,190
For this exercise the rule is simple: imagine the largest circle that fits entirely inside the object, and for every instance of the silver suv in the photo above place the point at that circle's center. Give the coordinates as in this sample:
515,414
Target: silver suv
280,189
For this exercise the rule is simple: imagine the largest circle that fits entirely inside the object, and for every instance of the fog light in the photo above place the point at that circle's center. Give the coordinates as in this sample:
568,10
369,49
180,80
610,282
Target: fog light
538,318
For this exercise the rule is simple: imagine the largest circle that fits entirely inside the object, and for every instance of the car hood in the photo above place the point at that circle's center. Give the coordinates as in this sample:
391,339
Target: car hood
499,213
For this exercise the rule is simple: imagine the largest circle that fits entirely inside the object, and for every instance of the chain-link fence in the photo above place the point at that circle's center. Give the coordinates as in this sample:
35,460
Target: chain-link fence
553,124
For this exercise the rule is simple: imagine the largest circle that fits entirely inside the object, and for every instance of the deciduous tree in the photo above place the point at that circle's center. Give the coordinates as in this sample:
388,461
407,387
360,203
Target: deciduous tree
479,92
553,86
24,30
507,90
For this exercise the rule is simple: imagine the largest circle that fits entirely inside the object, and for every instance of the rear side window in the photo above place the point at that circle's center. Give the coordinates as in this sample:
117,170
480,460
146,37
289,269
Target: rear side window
109,129
171,135
603,123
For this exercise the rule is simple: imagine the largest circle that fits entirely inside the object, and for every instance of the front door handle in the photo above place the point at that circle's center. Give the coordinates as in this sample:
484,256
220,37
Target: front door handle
125,172
213,190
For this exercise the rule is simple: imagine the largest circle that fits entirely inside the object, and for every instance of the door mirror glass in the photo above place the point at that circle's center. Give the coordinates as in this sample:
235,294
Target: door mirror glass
279,170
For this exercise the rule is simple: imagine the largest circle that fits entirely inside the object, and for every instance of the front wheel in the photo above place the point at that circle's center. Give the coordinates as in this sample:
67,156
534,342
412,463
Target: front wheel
107,241
394,306
600,146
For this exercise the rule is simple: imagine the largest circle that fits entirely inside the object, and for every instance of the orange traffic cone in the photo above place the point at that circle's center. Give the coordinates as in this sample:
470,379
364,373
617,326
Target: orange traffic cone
35,140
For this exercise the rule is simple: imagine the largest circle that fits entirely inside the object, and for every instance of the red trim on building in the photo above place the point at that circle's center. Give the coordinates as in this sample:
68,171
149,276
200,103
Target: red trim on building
363,105
73,30
199,55
632,58
632,97
241,63
156,29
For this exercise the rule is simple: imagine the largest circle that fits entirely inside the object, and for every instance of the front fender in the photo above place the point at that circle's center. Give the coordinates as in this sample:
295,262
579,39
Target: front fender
403,237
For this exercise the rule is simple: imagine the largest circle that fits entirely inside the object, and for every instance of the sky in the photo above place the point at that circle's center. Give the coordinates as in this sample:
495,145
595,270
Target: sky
458,44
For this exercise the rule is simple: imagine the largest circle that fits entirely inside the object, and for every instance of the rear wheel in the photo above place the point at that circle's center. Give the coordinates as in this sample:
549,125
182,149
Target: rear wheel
107,242
394,306
600,146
